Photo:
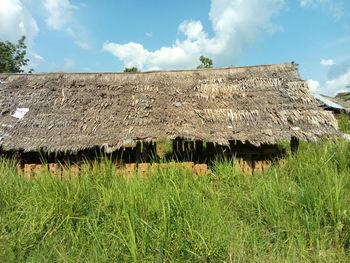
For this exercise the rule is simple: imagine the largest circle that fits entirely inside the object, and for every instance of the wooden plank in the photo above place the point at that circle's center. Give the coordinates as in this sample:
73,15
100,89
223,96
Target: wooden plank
294,144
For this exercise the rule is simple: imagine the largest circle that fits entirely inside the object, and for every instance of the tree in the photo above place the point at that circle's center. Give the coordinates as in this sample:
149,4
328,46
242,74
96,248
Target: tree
12,57
206,62
133,69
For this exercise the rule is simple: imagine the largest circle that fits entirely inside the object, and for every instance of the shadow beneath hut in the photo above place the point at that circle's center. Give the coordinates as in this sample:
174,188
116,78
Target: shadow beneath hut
178,150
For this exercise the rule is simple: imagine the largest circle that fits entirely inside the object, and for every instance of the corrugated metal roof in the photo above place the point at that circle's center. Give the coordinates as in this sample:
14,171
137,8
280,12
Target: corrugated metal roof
328,102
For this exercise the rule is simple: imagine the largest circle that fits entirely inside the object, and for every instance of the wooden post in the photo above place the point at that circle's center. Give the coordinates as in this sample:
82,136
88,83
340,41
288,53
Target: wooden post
128,155
191,149
186,146
138,152
250,164
188,149
233,150
199,150
294,144
178,148
174,147
145,153
191,145
210,151
219,150
210,147
153,150
187,153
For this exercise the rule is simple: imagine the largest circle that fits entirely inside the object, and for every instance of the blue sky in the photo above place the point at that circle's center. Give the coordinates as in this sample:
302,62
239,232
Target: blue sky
108,35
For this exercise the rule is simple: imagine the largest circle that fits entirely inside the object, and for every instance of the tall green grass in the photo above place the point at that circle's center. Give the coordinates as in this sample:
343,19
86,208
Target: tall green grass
344,123
299,213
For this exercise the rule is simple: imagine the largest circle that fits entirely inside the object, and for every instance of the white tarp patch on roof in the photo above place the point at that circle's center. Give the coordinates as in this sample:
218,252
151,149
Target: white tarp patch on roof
20,112
1,138
328,102
2,81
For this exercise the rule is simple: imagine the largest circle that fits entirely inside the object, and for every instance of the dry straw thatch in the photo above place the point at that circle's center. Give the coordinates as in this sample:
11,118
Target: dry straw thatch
74,111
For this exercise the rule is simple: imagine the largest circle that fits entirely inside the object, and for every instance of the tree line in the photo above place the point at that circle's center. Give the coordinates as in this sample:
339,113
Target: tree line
13,56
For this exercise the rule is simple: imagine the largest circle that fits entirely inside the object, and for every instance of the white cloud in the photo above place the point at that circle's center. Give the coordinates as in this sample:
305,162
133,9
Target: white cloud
337,84
37,57
69,65
336,7
82,44
149,34
342,41
16,21
34,60
314,86
59,13
60,16
235,25
327,62
192,29
304,3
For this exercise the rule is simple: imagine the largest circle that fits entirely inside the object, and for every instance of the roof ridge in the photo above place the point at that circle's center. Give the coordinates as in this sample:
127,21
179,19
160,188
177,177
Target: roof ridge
159,71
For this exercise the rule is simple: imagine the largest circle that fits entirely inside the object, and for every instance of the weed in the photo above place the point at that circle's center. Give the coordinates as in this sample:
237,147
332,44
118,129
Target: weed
299,213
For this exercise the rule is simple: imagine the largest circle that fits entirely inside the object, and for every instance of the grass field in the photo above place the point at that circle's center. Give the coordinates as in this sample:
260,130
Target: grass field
344,123
299,213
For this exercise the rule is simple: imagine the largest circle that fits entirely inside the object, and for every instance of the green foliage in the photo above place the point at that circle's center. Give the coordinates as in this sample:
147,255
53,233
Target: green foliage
344,123
12,57
133,69
345,96
299,213
206,62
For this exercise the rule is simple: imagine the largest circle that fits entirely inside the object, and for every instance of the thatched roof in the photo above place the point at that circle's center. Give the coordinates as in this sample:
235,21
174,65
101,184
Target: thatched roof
72,111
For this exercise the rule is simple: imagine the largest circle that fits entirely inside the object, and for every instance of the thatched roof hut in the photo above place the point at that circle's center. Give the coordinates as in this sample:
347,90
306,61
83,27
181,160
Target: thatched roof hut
74,111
